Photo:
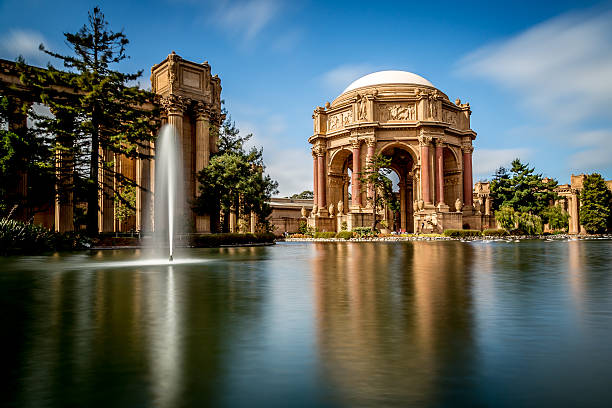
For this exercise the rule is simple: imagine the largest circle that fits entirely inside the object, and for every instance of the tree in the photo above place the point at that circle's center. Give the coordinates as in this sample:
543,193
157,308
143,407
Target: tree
521,189
558,219
304,195
234,180
595,204
22,153
96,115
375,177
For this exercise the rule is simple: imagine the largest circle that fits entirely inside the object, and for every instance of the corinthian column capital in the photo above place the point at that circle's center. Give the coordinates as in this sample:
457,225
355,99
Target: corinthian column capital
174,105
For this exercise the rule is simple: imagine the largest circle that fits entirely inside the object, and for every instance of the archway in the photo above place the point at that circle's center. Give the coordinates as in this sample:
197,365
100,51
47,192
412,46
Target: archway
402,164
452,178
339,176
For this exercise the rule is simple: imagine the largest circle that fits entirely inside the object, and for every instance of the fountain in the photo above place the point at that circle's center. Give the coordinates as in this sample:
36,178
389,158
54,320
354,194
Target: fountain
167,188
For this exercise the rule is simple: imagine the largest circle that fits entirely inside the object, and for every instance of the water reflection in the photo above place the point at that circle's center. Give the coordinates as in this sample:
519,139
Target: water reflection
427,324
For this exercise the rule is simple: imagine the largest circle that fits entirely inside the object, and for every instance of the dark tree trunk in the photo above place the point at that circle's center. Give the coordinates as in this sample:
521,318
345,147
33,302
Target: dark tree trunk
92,188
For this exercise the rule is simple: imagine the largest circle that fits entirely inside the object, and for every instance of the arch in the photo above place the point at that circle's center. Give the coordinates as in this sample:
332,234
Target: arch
401,145
338,176
338,160
452,177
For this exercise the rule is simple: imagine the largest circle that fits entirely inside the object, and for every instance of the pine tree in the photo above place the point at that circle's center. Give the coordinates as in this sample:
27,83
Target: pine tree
97,116
522,189
595,203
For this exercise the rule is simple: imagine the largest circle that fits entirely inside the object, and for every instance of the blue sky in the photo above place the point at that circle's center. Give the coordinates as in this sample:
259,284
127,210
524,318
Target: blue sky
538,75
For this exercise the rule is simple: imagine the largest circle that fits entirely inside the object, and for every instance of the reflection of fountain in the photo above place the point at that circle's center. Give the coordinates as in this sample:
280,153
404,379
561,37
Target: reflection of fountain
167,181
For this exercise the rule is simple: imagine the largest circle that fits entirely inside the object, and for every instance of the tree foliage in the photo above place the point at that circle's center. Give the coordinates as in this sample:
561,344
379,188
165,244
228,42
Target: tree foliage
304,195
22,154
558,219
375,175
94,108
595,203
235,180
522,189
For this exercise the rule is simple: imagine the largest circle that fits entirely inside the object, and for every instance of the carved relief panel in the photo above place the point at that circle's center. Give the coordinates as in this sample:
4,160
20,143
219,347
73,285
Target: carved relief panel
449,117
396,112
340,120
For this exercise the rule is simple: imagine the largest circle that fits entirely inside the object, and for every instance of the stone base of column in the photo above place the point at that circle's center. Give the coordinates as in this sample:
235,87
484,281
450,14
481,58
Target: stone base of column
442,207
202,223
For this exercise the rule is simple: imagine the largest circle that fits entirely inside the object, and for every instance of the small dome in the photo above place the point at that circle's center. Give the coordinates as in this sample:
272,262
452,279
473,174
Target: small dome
388,77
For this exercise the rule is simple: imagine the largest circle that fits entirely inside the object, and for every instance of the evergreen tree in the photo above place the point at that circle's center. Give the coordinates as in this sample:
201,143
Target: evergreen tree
96,114
234,180
522,189
375,175
595,203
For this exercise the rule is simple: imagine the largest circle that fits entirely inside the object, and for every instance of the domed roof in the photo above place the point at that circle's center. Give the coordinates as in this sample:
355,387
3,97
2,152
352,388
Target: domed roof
388,77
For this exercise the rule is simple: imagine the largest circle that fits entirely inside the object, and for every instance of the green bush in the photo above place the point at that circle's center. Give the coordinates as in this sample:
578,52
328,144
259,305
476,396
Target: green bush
325,234
557,218
362,232
215,240
21,237
303,227
344,235
495,232
506,218
461,233
531,224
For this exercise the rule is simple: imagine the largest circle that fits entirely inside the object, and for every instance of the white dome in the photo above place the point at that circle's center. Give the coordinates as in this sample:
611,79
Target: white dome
388,77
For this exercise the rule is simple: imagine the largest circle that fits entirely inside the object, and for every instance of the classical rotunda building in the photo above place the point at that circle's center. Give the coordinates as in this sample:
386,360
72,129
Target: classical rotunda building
405,117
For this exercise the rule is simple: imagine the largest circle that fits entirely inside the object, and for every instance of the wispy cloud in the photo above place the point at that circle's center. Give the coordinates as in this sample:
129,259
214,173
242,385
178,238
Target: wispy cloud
560,71
561,67
25,43
341,76
245,18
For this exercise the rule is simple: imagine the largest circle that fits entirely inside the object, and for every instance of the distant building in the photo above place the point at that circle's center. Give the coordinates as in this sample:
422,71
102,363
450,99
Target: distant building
287,213
570,201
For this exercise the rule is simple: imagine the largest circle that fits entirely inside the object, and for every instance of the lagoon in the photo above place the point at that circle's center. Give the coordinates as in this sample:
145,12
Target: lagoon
427,324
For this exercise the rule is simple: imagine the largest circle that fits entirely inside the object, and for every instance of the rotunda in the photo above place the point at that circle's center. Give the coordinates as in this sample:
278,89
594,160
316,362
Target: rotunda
428,138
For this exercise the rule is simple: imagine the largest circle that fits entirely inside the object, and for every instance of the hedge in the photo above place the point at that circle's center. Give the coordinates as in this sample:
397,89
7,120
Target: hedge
325,234
461,233
344,235
215,240
495,232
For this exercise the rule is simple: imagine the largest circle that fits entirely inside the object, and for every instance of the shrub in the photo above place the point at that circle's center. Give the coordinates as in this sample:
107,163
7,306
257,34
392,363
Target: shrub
362,232
557,218
344,235
531,224
506,218
495,232
21,237
303,227
325,234
461,233
343,226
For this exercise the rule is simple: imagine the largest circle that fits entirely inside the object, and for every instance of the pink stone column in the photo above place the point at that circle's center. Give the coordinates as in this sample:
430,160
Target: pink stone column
440,172
321,179
356,184
425,190
467,176
315,185
369,158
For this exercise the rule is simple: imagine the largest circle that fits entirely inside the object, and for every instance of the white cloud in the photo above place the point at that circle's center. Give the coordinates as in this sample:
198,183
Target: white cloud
561,67
245,18
23,42
340,77
596,153
560,71
486,161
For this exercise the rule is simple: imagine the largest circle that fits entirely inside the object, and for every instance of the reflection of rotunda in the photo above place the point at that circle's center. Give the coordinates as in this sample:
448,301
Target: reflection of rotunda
403,116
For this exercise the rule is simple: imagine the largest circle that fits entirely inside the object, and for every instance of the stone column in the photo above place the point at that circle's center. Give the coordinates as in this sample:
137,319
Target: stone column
468,183
403,207
64,176
175,107
106,211
371,143
202,146
345,193
356,184
18,124
315,177
321,177
574,224
440,172
488,205
424,142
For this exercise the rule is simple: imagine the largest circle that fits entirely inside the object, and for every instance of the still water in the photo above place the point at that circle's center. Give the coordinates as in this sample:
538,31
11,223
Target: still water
423,324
